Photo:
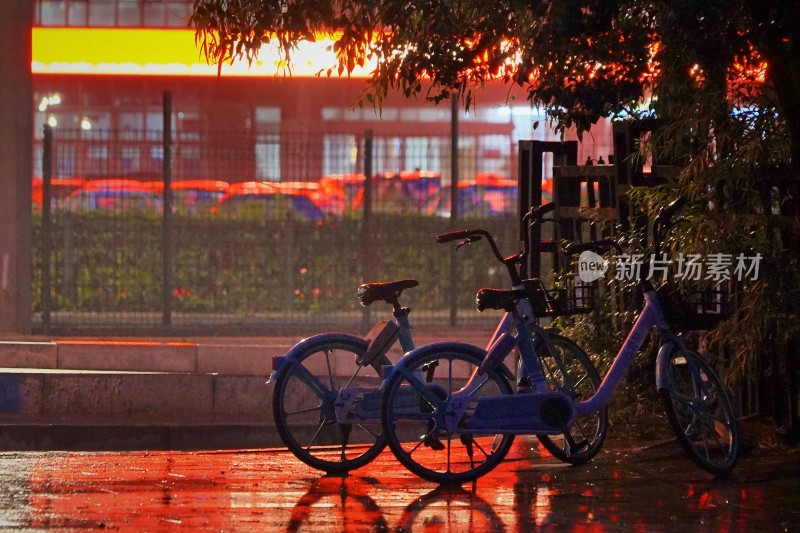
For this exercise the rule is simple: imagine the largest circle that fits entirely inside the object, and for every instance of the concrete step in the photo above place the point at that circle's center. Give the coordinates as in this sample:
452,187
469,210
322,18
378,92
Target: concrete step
234,356
237,358
117,394
125,437
62,409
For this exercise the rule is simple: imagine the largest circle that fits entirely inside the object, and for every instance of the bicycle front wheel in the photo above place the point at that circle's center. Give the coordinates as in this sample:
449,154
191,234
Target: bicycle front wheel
568,369
305,412
700,412
415,417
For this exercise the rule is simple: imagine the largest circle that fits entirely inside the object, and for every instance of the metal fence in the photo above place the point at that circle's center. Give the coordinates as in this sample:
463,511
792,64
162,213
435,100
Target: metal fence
223,233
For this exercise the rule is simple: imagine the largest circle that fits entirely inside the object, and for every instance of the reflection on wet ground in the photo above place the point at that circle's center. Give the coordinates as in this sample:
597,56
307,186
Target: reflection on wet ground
624,489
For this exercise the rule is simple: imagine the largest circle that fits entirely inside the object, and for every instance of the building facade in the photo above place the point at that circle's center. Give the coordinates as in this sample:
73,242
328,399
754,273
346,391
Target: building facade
101,69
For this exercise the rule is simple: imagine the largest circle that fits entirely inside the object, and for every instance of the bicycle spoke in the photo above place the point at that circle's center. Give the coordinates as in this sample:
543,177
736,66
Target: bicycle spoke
447,456
316,434
330,370
368,430
577,383
421,442
303,411
700,413
478,445
572,372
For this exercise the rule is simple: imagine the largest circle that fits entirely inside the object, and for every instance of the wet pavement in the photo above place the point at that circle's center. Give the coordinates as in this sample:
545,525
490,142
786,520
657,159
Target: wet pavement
640,487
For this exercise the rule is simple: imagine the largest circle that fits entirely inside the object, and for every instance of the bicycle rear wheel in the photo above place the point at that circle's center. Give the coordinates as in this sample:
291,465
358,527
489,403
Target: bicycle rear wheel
415,424
700,412
304,408
568,369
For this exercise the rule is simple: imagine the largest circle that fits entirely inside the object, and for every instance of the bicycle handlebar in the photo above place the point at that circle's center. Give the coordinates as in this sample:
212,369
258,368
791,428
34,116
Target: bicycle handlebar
454,235
542,210
471,235
534,215
598,246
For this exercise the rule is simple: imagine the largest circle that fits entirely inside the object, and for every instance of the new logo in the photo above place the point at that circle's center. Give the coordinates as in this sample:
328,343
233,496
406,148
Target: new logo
591,266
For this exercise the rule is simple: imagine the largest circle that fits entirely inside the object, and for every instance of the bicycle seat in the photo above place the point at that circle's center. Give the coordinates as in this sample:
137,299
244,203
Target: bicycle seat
387,291
505,299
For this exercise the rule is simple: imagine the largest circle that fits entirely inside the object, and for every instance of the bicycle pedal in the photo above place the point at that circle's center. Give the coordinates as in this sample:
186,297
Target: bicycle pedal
433,443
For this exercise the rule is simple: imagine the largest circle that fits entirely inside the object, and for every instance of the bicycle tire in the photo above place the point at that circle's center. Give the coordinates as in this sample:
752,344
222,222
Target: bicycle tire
307,422
415,430
568,369
700,411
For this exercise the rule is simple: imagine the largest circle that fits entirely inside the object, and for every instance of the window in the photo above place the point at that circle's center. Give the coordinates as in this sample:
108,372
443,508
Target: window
101,13
113,13
78,13
52,13
424,153
130,13
268,143
340,154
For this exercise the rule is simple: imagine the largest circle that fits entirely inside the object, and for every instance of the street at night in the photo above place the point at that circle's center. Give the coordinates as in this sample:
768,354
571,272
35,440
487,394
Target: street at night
651,487
218,216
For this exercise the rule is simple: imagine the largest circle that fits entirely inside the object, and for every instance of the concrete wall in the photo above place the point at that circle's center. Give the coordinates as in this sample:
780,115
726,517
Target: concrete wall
16,132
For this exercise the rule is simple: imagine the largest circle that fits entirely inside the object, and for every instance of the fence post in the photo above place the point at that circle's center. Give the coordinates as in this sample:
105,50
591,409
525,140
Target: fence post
531,173
454,266
367,253
167,241
47,176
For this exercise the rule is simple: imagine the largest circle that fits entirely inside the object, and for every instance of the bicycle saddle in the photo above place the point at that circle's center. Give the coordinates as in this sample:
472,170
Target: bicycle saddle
505,299
387,291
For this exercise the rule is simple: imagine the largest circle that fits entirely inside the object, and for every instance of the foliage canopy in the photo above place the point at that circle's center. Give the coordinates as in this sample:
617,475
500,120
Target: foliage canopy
721,76
580,59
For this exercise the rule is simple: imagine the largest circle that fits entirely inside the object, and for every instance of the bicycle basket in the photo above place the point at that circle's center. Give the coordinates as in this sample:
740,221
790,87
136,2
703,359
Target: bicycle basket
693,310
673,305
560,301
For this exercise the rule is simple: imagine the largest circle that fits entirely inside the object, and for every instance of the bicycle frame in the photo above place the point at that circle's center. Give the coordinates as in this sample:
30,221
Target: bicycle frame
439,411
528,345
281,363
651,316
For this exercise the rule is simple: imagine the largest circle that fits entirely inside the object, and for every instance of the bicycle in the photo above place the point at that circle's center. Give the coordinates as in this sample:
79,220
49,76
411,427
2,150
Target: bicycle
477,410
333,423
316,420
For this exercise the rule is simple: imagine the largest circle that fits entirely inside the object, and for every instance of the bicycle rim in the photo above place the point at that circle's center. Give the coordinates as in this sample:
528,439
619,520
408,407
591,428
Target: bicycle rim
304,409
700,412
568,369
415,428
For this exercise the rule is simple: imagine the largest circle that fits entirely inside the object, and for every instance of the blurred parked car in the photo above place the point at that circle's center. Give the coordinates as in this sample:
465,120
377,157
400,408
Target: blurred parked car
114,195
420,185
264,200
192,196
60,188
485,197
347,188
391,191
331,204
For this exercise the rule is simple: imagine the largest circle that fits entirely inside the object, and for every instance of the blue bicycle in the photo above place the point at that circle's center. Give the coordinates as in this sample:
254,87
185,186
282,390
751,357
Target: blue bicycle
326,401
458,423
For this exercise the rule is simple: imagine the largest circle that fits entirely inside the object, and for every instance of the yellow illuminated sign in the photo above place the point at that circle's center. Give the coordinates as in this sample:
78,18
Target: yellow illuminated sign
160,52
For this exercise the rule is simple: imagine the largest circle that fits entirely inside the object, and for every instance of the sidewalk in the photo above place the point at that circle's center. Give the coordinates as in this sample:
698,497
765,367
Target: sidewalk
629,486
135,394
